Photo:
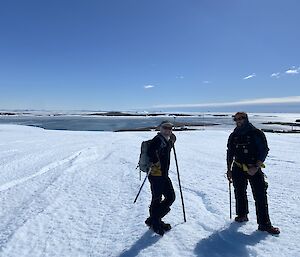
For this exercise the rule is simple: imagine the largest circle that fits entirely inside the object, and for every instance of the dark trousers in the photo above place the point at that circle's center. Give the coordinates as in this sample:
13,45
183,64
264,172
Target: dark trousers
160,186
259,189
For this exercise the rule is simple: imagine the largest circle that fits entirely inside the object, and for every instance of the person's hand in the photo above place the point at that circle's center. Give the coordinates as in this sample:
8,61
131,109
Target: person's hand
260,164
252,170
229,176
172,139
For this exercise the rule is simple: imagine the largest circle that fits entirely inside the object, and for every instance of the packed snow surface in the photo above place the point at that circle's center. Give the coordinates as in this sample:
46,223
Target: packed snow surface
65,193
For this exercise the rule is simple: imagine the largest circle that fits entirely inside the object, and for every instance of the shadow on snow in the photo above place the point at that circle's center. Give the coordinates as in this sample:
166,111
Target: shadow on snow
144,242
228,243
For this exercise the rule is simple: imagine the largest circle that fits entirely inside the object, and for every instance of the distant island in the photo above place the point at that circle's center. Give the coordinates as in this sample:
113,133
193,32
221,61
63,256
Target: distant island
282,123
125,114
8,113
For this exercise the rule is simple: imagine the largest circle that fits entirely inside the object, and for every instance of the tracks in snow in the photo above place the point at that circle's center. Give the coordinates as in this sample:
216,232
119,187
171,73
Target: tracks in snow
48,168
67,205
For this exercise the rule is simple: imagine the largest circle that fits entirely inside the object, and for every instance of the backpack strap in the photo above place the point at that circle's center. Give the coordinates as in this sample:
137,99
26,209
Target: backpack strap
163,140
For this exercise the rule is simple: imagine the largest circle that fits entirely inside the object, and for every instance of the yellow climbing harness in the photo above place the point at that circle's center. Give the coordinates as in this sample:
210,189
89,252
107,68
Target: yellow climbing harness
244,166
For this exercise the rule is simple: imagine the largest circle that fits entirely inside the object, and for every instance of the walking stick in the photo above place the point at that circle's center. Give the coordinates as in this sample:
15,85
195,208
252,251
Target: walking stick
184,218
230,209
141,187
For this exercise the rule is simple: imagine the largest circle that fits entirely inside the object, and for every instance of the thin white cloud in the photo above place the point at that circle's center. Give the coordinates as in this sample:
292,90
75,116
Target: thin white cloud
206,82
275,75
293,70
149,86
250,76
279,100
180,77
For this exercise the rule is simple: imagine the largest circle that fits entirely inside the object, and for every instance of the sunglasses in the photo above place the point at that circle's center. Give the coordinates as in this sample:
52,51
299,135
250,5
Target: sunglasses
238,119
167,128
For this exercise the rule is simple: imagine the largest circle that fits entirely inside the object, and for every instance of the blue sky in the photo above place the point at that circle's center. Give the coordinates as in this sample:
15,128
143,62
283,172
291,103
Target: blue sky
131,54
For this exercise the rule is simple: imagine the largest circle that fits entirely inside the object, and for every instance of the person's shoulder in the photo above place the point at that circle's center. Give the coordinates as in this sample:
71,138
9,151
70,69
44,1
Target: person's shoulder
156,139
260,133
160,141
256,132
250,128
232,134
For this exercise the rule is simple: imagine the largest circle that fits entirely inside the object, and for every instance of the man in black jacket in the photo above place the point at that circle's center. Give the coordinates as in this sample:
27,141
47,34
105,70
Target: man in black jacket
161,185
247,150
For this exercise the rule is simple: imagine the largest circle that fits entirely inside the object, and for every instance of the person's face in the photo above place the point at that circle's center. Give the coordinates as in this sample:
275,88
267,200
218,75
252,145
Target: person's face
166,130
239,120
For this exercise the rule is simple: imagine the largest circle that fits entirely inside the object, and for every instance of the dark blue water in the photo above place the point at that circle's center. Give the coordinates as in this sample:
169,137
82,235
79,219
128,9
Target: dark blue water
100,123
83,123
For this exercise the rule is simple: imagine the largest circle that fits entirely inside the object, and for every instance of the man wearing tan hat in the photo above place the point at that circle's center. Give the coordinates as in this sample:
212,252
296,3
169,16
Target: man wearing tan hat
161,185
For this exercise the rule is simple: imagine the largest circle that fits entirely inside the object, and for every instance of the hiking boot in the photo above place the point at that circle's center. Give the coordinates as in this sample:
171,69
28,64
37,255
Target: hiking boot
241,219
148,222
165,226
270,229
158,229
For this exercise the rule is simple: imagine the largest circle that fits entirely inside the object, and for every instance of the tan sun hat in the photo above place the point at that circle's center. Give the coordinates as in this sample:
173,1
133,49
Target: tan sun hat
166,123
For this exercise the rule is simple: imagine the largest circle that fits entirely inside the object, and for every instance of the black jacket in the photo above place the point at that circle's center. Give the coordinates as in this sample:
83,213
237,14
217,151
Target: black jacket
247,145
159,151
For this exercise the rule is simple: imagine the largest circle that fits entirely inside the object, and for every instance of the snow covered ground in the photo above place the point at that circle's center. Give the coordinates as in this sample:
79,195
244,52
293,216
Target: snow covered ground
65,193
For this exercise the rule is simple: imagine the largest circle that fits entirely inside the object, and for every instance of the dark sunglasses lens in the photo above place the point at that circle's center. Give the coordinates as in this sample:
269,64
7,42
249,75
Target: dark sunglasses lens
168,128
240,118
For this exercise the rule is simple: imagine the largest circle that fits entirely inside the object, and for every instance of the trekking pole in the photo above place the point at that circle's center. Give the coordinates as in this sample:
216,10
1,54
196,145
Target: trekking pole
230,209
141,187
184,218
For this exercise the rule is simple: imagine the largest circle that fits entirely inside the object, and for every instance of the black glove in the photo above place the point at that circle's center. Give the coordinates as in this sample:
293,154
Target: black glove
172,139
229,176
